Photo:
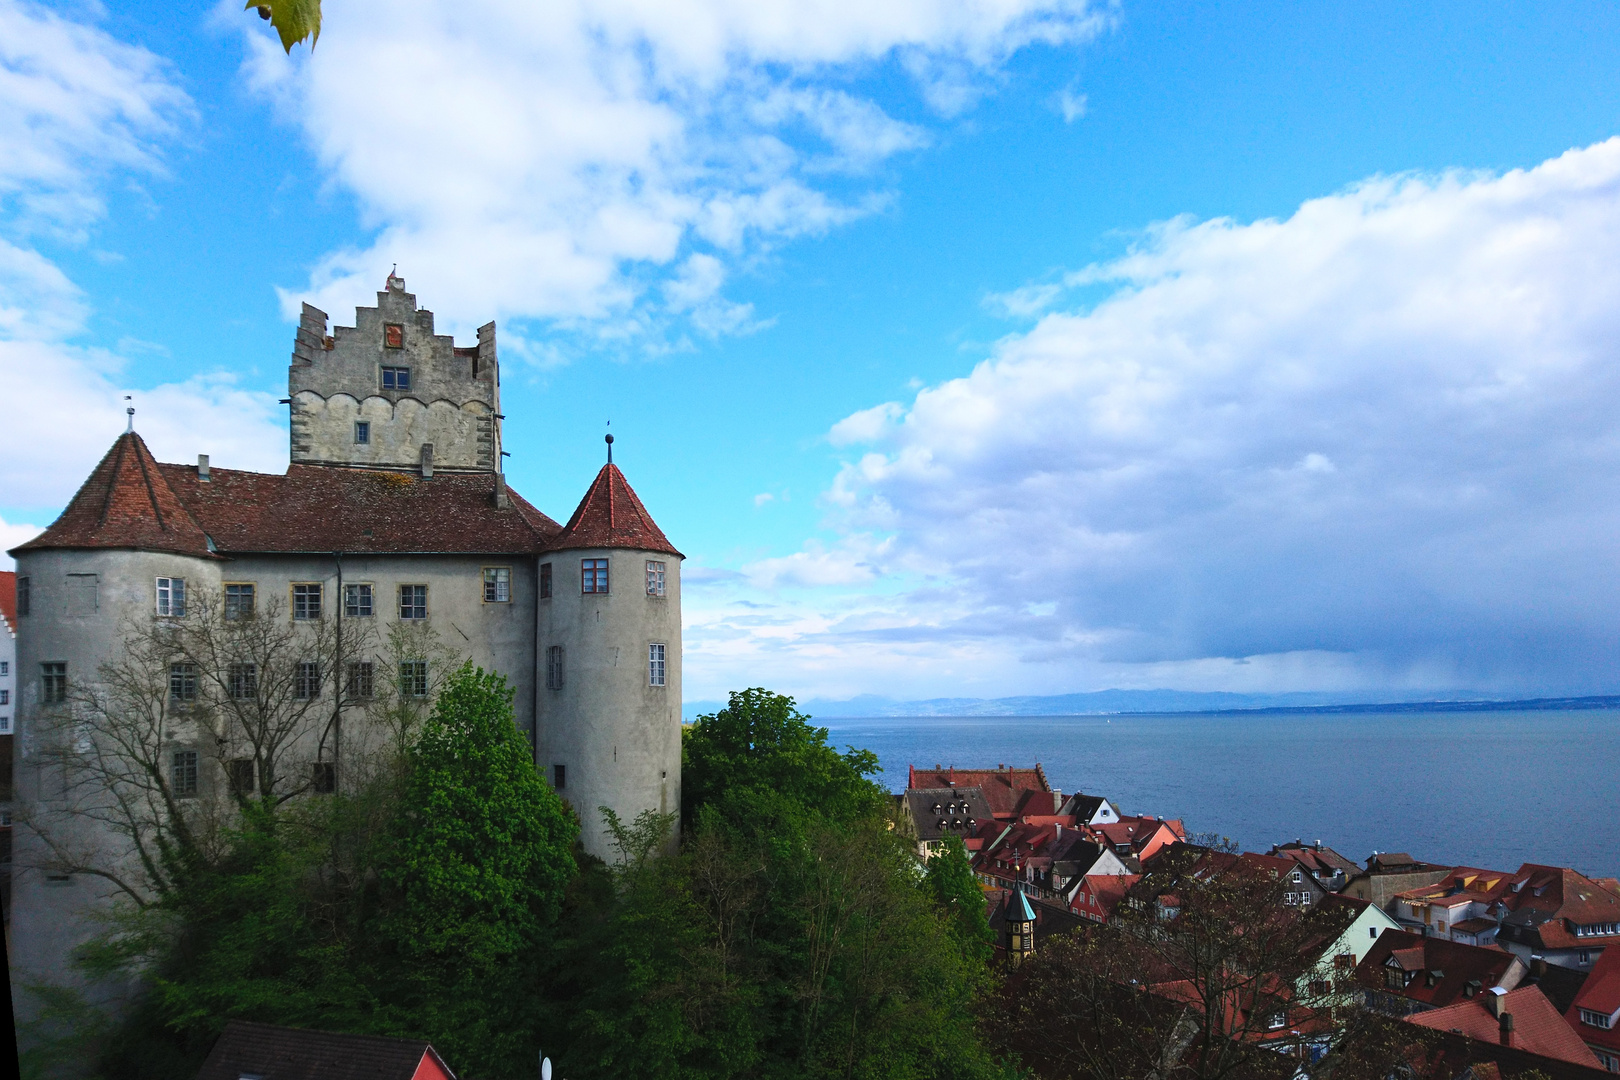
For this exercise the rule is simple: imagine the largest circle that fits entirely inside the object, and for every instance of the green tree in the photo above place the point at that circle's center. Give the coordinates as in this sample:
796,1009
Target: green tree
474,882
950,882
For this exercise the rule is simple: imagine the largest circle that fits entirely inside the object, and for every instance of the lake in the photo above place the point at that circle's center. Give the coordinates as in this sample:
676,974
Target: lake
1488,789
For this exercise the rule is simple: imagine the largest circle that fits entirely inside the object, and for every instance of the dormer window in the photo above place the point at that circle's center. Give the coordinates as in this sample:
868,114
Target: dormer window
396,378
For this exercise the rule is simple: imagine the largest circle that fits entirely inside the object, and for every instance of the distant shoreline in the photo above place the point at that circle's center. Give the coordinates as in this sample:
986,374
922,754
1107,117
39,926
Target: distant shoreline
1519,705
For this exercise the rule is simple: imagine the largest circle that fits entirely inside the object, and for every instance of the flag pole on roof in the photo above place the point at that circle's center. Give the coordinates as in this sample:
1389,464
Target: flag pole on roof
130,412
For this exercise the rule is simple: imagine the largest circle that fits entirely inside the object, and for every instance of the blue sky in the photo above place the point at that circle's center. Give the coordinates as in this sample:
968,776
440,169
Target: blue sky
966,349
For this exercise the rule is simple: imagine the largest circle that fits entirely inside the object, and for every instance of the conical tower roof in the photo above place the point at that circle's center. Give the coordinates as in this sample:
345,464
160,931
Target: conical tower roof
126,503
610,516
1018,909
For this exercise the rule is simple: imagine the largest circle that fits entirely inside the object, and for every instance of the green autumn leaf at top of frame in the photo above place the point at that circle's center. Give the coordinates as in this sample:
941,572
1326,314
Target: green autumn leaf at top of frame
294,20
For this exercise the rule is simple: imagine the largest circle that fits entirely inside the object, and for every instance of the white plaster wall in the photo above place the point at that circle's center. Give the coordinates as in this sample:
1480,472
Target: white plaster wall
618,737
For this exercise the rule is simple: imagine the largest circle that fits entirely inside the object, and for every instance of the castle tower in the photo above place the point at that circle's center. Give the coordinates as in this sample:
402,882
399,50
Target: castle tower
389,393
608,701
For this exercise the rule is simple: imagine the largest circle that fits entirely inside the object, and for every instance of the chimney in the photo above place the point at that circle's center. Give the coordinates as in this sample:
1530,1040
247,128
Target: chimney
427,461
501,501
202,469
1504,1027
1493,1001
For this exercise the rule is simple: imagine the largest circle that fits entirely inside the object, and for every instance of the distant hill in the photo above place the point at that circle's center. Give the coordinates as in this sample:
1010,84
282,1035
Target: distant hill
1108,702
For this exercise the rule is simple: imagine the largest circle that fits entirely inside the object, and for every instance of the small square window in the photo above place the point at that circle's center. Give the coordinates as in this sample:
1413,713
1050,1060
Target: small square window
182,683
171,597
357,601
306,601
5,667
183,773
545,581
655,578
238,601
5,725
362,431
497,584
593,575
307,680
242,681
358,684
396,378
413,601
53,683
655,665
413,680
393,335
324,778
554,668
241,773
559,776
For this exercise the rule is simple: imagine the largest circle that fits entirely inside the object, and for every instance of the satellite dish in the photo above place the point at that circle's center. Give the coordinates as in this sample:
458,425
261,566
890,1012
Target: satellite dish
545,1069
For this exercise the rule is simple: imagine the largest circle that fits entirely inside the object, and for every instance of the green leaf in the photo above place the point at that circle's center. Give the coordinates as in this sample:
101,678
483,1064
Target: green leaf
294,20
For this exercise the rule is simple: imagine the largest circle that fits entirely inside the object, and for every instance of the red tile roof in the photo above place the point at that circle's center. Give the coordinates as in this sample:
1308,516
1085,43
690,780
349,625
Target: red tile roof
1010,792
610,516
1601,994
1453,964
132,501
249,1049
1537,1027
8,600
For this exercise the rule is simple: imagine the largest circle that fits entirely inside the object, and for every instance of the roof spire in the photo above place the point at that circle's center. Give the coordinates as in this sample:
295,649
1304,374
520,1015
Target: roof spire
130,412
609,441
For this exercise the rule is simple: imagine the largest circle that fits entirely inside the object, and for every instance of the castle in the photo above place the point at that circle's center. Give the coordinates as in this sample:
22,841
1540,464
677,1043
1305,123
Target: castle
393,510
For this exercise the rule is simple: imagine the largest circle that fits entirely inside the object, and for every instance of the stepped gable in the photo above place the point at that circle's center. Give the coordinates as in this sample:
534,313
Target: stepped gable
8,600
315,508
610,516
125,503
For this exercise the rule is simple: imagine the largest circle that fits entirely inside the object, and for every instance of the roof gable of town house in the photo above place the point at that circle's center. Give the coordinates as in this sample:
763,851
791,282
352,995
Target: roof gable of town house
1004,789
611,516
8,601
124,503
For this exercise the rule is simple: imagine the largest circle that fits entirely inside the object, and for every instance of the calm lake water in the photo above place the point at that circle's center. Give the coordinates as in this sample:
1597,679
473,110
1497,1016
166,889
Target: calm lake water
1488,789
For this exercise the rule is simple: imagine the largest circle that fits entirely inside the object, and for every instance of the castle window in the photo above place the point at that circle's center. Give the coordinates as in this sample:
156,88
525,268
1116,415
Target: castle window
171,596
183,773
362,431
393,335
81,594
413,681
396,378
593,575
545,581
240,771
307,680
323,778
559,776
655,665
53,682
358,684
182,682
242,681
497,584
238,601
554,668
5,697
306,601
413,601
22,597
655,578
357,601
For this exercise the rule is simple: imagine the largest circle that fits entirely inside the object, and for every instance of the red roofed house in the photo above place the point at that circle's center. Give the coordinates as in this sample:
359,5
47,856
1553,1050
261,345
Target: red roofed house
393,513
1595,1014
1405,972
1523,1019
1011,793
1042,858
268,1052
1550,912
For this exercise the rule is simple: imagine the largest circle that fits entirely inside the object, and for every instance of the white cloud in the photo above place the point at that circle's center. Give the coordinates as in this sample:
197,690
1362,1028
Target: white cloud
77,107
559,160
12,534
1070,105
1372,445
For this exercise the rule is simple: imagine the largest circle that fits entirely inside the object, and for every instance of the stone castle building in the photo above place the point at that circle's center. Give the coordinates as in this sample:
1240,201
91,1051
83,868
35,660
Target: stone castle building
394,509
